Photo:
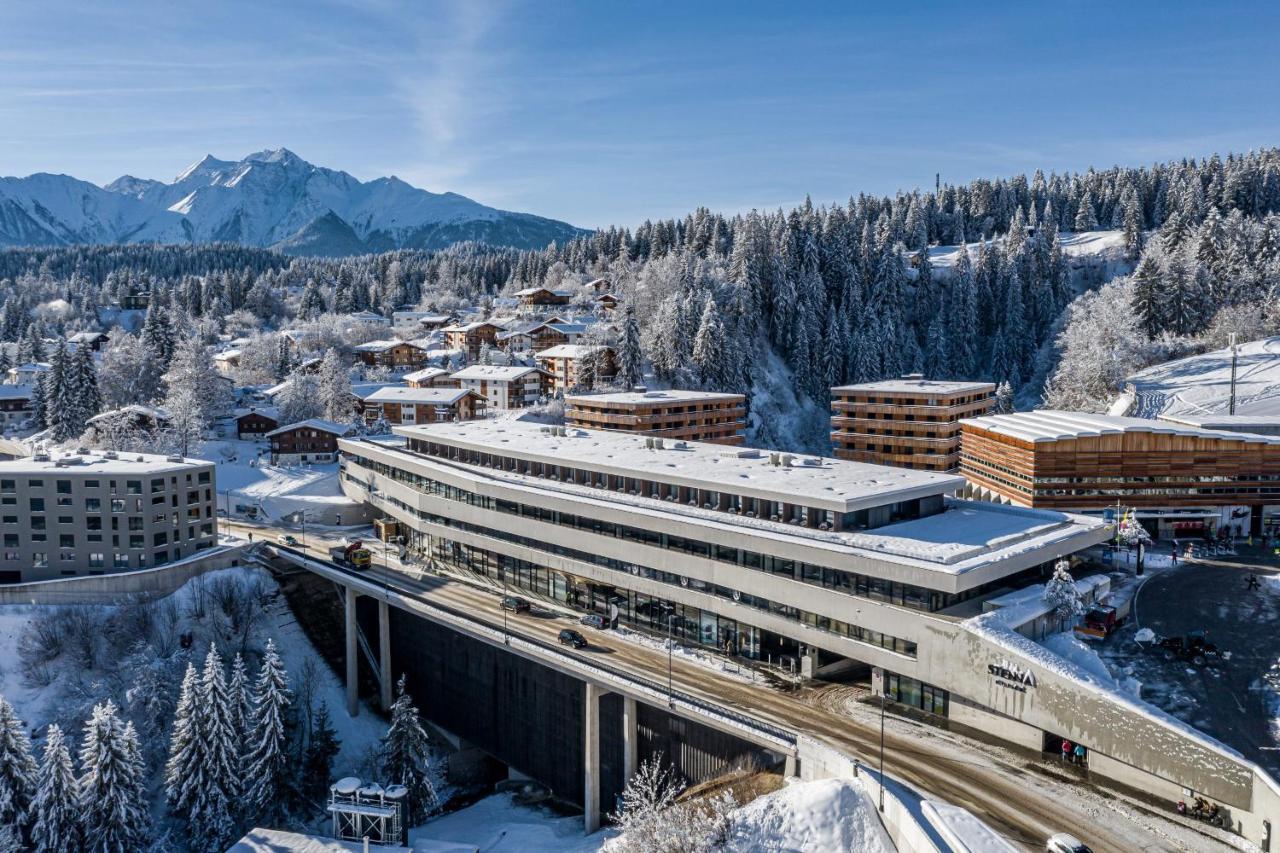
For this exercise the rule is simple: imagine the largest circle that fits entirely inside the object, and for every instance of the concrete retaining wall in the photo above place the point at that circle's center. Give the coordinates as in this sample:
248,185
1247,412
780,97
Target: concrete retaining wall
113,588
902,817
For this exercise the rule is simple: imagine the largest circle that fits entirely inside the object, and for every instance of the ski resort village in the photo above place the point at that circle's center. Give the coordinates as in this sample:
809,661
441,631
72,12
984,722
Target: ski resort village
844,457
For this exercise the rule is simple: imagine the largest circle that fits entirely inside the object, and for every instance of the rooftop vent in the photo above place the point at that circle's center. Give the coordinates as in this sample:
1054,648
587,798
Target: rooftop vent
775,459
813,461
174,458
742,453
110,454
40,457
917,377
657,443
786,460
648,442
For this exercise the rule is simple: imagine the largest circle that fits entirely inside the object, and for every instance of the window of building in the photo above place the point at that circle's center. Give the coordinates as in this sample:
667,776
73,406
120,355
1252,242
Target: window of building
137,540
37,504
8,486
40,560
66,540
63,487
120,561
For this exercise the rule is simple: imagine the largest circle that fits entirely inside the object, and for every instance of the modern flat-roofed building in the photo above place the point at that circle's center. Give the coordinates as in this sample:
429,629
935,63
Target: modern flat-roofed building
95,513
1178,479
910,422
765,555
674,414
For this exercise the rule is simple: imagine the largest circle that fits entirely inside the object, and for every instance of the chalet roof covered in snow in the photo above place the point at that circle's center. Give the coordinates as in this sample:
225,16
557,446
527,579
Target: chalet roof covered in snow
1230,423
670,395
425,374
918,386
423,396
835,484
16,392
1046,425
317,424
132,410
569,351
383,345
496,372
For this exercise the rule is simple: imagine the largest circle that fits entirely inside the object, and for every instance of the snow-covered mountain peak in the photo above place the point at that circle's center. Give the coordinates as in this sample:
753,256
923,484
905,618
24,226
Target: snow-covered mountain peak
270,198
206,166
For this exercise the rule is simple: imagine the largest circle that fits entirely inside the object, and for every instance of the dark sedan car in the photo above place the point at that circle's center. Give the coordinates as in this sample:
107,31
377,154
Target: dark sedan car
594,620
515,604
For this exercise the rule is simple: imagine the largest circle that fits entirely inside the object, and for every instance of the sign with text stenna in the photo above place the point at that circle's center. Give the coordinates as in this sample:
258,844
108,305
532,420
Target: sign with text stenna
1011,675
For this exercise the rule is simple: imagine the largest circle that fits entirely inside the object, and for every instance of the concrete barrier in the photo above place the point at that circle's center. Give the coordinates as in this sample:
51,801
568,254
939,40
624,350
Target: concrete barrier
121,586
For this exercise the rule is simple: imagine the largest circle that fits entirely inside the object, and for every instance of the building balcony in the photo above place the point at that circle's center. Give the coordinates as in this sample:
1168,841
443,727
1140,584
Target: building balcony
948,412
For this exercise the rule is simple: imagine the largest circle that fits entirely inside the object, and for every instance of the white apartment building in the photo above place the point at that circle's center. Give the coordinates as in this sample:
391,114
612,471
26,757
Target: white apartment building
95,513
505,387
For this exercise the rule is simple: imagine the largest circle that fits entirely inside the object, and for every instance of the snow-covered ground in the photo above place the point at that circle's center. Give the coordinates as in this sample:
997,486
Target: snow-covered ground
1201,384
244,477
40,702
825,816
498,825
1087,244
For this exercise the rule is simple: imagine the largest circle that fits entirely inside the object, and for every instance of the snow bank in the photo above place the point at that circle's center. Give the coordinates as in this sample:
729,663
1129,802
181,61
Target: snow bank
823,816
497,825
964,831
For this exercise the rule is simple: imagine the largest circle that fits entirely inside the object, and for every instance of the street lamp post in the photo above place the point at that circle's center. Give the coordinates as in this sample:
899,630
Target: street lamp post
671,618
882,701
502,605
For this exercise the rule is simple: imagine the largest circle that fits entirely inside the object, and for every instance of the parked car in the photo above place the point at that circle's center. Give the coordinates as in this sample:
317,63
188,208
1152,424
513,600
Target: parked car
570,637
515,604
287,539
1062,842
594,620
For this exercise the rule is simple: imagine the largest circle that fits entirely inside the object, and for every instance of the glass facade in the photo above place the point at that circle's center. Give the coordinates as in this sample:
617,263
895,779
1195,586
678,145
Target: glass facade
916,694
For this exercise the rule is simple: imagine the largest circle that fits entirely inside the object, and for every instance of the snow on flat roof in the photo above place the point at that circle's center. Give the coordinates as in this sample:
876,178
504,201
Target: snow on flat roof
96,462
1051,425
966,537
1232,423
677,395
16,392
918,386
398,394
836,484
496,371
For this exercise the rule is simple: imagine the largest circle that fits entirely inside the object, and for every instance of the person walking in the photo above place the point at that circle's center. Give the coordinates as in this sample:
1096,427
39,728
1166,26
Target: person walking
1066,749
1080,753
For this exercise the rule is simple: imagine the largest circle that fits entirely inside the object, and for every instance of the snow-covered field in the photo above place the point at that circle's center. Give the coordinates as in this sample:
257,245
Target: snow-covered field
826,816
1201,384
245,477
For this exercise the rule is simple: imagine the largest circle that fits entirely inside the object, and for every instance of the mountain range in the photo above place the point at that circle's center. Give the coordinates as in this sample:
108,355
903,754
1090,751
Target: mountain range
271,199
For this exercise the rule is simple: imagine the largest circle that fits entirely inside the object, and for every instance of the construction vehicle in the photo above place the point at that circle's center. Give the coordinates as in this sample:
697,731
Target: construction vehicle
1193,647
352,556
1099,622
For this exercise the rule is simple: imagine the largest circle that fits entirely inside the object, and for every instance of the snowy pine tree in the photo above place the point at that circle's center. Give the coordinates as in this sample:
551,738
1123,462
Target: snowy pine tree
317,765
266,760
184,771
630,354
212,813
57,814
17,770
238,703
1061,592
333,386
111,788
406,757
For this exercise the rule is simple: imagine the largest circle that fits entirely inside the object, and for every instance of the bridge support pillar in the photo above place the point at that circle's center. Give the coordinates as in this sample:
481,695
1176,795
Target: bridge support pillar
630,745
591,758
384,655
790,767
353,661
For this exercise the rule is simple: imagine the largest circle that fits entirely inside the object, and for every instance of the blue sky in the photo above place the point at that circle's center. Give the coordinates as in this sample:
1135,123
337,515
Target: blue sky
599,112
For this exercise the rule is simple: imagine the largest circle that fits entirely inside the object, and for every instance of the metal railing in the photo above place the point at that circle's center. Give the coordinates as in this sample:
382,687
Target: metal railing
776,733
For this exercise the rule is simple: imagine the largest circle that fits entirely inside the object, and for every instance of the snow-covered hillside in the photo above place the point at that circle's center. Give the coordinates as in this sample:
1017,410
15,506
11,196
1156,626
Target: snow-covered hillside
267,199
1201,384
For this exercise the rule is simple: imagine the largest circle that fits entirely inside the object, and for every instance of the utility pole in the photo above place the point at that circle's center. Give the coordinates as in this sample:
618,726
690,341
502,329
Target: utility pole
1234,356
671,703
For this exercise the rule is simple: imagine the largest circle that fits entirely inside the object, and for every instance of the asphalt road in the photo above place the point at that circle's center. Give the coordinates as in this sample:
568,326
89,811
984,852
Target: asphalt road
1224,701
1020,801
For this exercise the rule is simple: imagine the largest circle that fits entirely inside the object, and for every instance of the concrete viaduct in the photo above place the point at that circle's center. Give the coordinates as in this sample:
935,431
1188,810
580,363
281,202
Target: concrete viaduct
599,679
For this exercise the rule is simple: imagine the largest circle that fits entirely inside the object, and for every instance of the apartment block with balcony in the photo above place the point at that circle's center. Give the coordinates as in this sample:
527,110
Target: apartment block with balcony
674,414
96,513
910,422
